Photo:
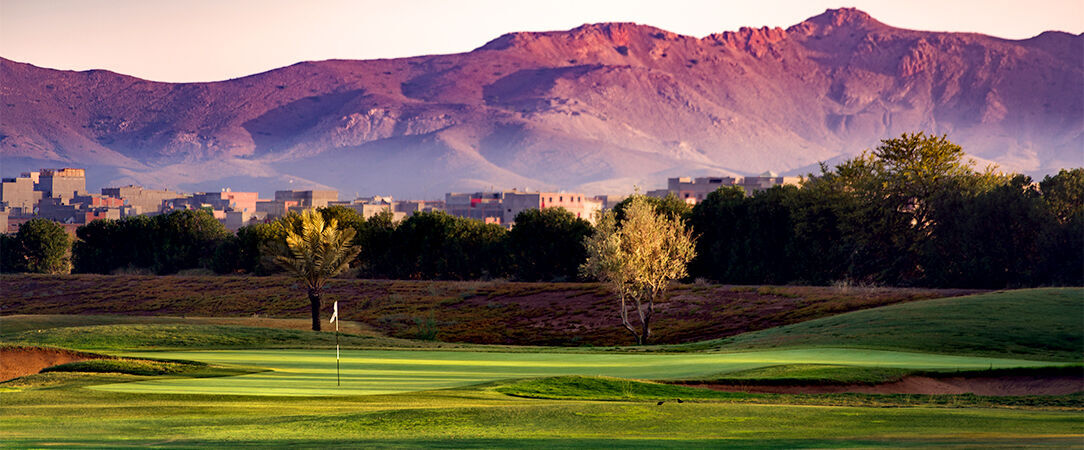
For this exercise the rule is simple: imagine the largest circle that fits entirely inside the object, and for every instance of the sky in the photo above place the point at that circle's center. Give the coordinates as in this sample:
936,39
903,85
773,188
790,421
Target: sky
210,40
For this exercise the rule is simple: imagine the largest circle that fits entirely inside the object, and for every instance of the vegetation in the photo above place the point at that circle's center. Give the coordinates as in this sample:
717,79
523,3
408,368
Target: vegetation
181,336
163,244
40,246
495,312
318,252
548,244
638,259
911,212
51,410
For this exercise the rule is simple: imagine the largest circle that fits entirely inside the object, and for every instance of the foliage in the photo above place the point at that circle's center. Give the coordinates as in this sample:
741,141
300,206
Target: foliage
548,244
165,244
41,246
376,240
1064,193
669,206
639,259
436,245
11,260
913,211
318,252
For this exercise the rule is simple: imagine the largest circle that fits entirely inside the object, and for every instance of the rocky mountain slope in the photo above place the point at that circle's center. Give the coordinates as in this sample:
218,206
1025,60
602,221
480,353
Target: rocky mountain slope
597,108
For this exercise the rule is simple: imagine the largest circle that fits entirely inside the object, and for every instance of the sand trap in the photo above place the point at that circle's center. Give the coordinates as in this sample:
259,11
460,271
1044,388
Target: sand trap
21,361
999,386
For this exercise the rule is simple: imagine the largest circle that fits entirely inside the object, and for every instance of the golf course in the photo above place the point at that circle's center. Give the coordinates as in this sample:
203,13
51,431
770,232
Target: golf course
997,369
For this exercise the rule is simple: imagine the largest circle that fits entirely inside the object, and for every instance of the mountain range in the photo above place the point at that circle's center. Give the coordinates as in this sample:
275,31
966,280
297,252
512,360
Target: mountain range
599,108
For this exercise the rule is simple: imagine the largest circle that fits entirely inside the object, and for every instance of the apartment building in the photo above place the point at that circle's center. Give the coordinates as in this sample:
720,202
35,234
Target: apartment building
502,207
141,200
695,190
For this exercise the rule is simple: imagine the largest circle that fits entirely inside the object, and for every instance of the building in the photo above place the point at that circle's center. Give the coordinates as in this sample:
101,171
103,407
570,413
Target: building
18,194
367,207
502,207
767,180
220,205
411,207
484,206
140,199
695,190
62,183
308,199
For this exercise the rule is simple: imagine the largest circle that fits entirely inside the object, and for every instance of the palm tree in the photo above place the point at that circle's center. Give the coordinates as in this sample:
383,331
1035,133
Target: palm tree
320,251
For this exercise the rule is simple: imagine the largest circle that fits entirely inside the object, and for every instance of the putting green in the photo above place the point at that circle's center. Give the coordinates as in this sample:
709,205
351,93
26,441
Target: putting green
312,373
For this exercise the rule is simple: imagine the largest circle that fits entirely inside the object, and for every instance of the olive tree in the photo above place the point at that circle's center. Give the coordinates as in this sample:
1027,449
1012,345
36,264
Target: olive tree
639,258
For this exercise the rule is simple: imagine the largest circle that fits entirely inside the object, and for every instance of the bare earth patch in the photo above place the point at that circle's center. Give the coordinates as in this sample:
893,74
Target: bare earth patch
16,362
1011,385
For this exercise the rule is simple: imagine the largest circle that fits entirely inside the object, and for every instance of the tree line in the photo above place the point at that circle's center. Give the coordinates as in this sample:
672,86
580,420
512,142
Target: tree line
912,212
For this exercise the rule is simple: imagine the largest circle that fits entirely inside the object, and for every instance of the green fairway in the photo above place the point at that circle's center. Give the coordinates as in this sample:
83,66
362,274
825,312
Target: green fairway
1028,323
311,372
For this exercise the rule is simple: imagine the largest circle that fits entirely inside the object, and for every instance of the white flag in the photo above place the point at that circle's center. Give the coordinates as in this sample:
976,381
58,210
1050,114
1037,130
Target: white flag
335,315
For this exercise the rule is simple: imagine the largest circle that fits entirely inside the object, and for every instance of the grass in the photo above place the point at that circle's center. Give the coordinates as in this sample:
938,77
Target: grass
620,389
543,397
800,374
63,414
126,366
1032,323
368,372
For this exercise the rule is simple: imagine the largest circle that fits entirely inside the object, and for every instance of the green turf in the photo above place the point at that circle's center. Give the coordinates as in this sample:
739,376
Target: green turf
67,416
621,389
312,372
1031,323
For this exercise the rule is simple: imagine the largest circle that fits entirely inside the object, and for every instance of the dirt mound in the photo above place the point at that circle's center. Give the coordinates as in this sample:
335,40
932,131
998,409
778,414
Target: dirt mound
997,386
21,361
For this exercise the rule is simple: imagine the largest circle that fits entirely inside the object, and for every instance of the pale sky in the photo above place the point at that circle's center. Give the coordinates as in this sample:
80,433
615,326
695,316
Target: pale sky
207,40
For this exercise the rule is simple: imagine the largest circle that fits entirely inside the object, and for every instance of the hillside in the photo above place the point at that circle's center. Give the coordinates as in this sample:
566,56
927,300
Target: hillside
597,108
566,314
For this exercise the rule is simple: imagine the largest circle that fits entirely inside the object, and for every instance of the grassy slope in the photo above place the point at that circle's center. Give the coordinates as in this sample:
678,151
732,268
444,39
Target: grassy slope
566,314
1032,323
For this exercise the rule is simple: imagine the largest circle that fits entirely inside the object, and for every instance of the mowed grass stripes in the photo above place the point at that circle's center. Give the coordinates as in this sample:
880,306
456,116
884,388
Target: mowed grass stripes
368,372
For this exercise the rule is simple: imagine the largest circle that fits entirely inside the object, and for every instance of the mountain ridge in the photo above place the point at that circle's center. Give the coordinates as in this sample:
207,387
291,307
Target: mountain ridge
598,108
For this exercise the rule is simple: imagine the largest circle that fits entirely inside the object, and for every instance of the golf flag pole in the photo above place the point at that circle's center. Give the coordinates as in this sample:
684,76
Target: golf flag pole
335,320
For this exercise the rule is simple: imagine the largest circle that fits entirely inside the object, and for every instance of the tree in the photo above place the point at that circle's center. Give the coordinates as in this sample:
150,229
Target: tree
185,240
670,205
1064,193
11,255
639,258
376,244
44,246
548,244
318,252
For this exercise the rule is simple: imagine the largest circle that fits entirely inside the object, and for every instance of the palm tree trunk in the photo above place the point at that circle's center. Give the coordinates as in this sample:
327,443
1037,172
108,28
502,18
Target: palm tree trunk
314,304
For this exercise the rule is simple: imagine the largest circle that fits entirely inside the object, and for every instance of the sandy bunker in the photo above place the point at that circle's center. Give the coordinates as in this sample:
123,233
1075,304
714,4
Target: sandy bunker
21,361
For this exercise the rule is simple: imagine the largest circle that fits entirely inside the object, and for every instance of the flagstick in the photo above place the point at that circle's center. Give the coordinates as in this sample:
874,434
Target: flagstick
337,380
